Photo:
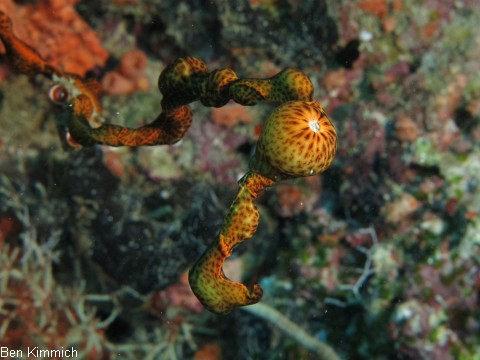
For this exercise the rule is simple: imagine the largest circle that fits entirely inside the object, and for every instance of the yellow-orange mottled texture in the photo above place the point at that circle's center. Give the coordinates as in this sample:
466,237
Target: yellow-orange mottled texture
298,140
58,33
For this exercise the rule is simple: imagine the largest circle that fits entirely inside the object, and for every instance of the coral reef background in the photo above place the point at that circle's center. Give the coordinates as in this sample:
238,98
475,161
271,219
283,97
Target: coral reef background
379,256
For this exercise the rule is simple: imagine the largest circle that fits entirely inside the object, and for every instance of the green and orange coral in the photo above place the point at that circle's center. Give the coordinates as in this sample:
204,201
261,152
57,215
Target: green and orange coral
298,140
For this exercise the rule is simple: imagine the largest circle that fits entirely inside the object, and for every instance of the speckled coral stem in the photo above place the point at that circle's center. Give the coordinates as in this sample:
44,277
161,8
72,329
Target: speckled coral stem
168,128
298,140
186,80
207,280
289,84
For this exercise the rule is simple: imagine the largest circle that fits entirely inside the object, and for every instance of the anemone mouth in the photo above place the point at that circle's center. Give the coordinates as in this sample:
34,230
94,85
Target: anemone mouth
314,125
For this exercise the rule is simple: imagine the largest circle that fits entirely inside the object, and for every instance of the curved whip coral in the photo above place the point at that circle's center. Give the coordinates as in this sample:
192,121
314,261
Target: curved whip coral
182,82
298,140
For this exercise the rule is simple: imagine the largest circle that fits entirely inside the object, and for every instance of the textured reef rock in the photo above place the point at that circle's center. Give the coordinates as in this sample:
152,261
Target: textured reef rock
140,239
287,32
246,32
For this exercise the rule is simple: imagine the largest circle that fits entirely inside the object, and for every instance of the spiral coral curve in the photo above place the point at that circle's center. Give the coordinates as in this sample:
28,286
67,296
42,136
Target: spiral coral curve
216,292
298,140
